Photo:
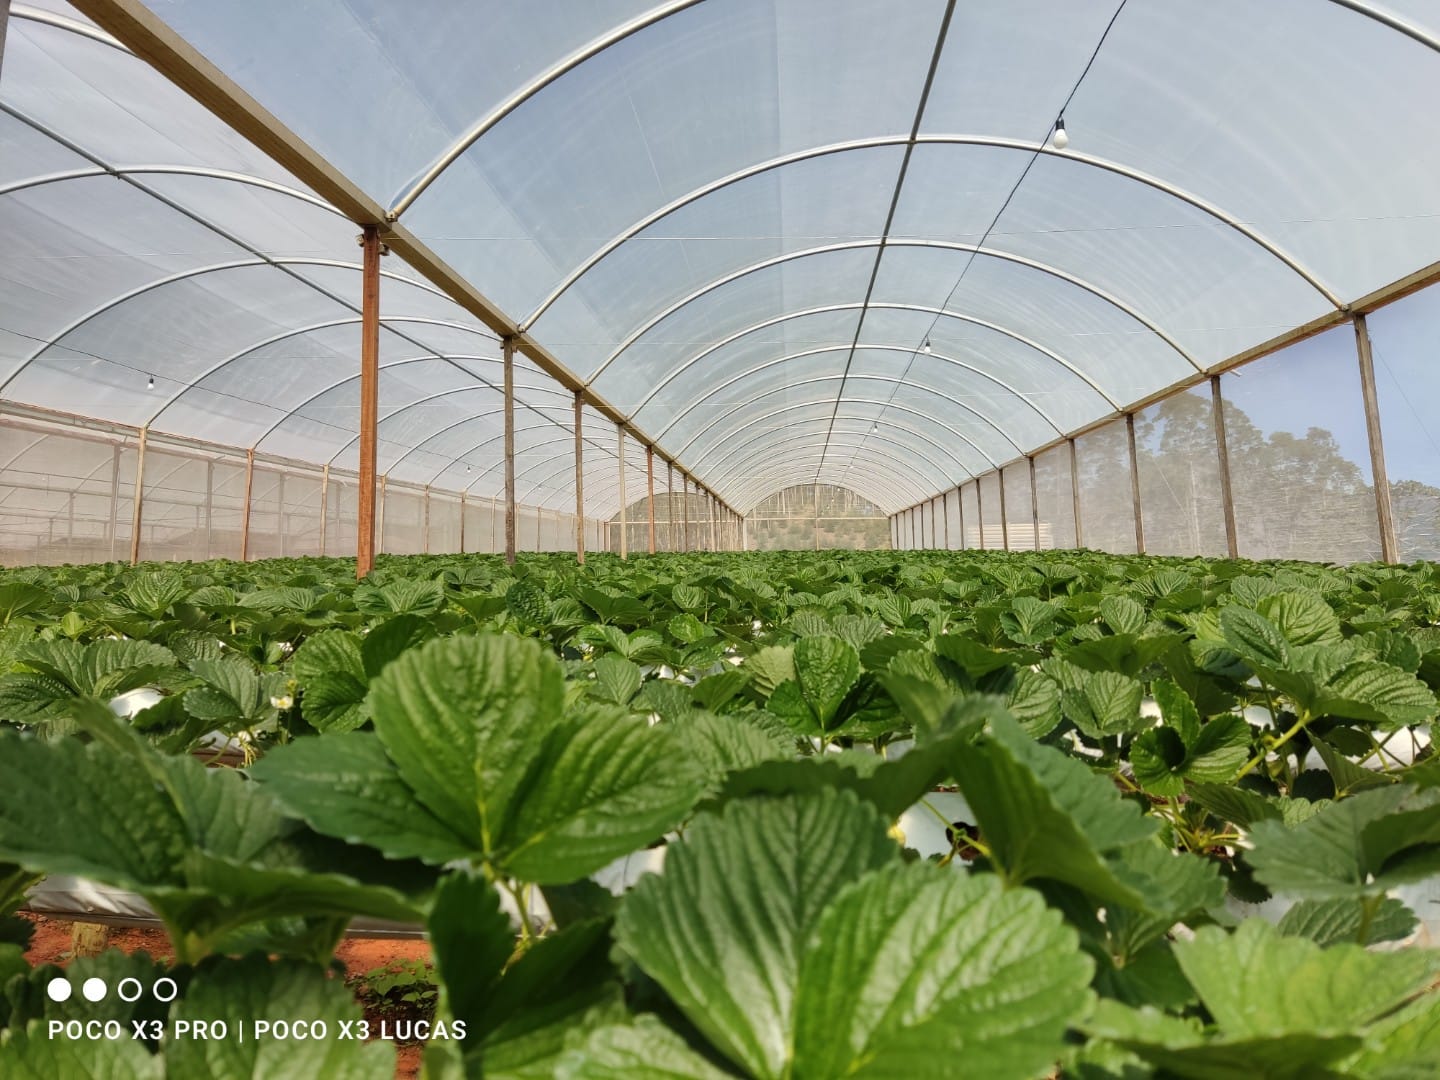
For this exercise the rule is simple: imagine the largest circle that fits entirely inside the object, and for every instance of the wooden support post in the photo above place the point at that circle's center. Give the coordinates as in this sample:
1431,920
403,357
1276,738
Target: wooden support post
380,516
136,507
1034,503
463,495
934,533
1004,515
1135,483
980,512
508,353
245,507
425,519
624,514
324,505
1075,492
960,512
1384,511
670,544
1222,451
113,526
710,510
685,498
579,480
210,512
494,520
650,491
369,396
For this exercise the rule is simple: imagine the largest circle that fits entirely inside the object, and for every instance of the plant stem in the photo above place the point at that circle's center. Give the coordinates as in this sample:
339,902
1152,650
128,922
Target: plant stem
1294,730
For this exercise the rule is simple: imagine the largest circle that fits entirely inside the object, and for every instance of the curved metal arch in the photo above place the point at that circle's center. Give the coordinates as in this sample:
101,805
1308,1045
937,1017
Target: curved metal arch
385,320
923,308
429,357
923,438
736,464
995,142
862,245
500,464
755,488
525,93
792,406
567,435
866,378
171,170
63,22
879,348
482,385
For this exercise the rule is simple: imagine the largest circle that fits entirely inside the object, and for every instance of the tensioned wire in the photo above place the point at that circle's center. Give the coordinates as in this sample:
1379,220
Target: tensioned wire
970,259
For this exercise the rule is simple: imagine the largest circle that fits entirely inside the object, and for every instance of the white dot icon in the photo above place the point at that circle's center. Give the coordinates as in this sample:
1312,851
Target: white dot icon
58,989
94,989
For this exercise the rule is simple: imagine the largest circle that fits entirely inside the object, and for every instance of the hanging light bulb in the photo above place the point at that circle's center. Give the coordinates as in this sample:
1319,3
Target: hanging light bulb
150,383
1061,138
469,468
926,347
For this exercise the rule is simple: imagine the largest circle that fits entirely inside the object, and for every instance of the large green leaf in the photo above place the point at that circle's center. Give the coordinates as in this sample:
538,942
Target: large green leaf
1046,815
482,760
65,670
332,675
722,930
826,670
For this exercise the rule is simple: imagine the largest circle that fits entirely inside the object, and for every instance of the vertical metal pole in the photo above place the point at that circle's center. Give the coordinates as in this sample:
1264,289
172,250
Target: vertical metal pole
1135,483
245,505
650,491
1075,492
1004,514
425,518
945,517
210,509
463,511
1034,503
960,508
539,521
280,518
494,521
1222,451
369,397
1385,512
324,505
112,528
934,529
670,544
624,515
980,510
579,481
710,510
508,352
136,506
815,526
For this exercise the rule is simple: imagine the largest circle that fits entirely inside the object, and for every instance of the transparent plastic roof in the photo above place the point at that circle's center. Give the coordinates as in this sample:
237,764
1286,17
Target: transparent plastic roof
794,241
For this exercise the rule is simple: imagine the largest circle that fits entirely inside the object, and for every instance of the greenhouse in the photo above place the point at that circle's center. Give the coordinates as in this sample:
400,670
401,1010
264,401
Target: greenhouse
720,538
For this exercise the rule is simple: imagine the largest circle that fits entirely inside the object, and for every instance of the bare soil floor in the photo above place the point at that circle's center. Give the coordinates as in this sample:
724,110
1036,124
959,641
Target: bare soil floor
51,945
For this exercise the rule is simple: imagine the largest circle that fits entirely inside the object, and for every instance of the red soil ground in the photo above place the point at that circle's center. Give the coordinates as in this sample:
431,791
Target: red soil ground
51,945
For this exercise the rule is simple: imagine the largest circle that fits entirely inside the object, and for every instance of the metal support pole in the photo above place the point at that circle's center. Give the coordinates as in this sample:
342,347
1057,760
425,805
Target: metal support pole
494,521
1222,451
685,498
369,396
1135,483
1034,503
112,528
139,502
960,508
1385,512
945,517
210,510
281,521
1075,492
508,352
710,510
934,533
1004,515
380,515
425,518
579,480
463,511
624,515
245,506
650,491
670,544
815,527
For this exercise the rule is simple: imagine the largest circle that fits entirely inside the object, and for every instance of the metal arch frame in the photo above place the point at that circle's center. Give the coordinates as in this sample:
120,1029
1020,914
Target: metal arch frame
597,46
809,442
593,48
569,435
429,357
995,142
923,438
864,378
63,22
17,186
886,306
821,350
894,467
310,329
756,488
436,397
864,245
792,406
501,463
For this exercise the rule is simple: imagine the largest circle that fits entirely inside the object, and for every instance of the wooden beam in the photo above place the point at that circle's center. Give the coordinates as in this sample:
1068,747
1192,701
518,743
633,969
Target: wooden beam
980,512
369,397
685,499
138,503
579,479
1222,452
670,505
1004,514
1034,503
624,514
1135,484
1075,492
650,491
245,507
508,355
1389,547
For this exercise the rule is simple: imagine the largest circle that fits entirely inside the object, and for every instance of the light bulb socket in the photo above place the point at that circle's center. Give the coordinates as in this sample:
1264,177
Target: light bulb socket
1061,138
